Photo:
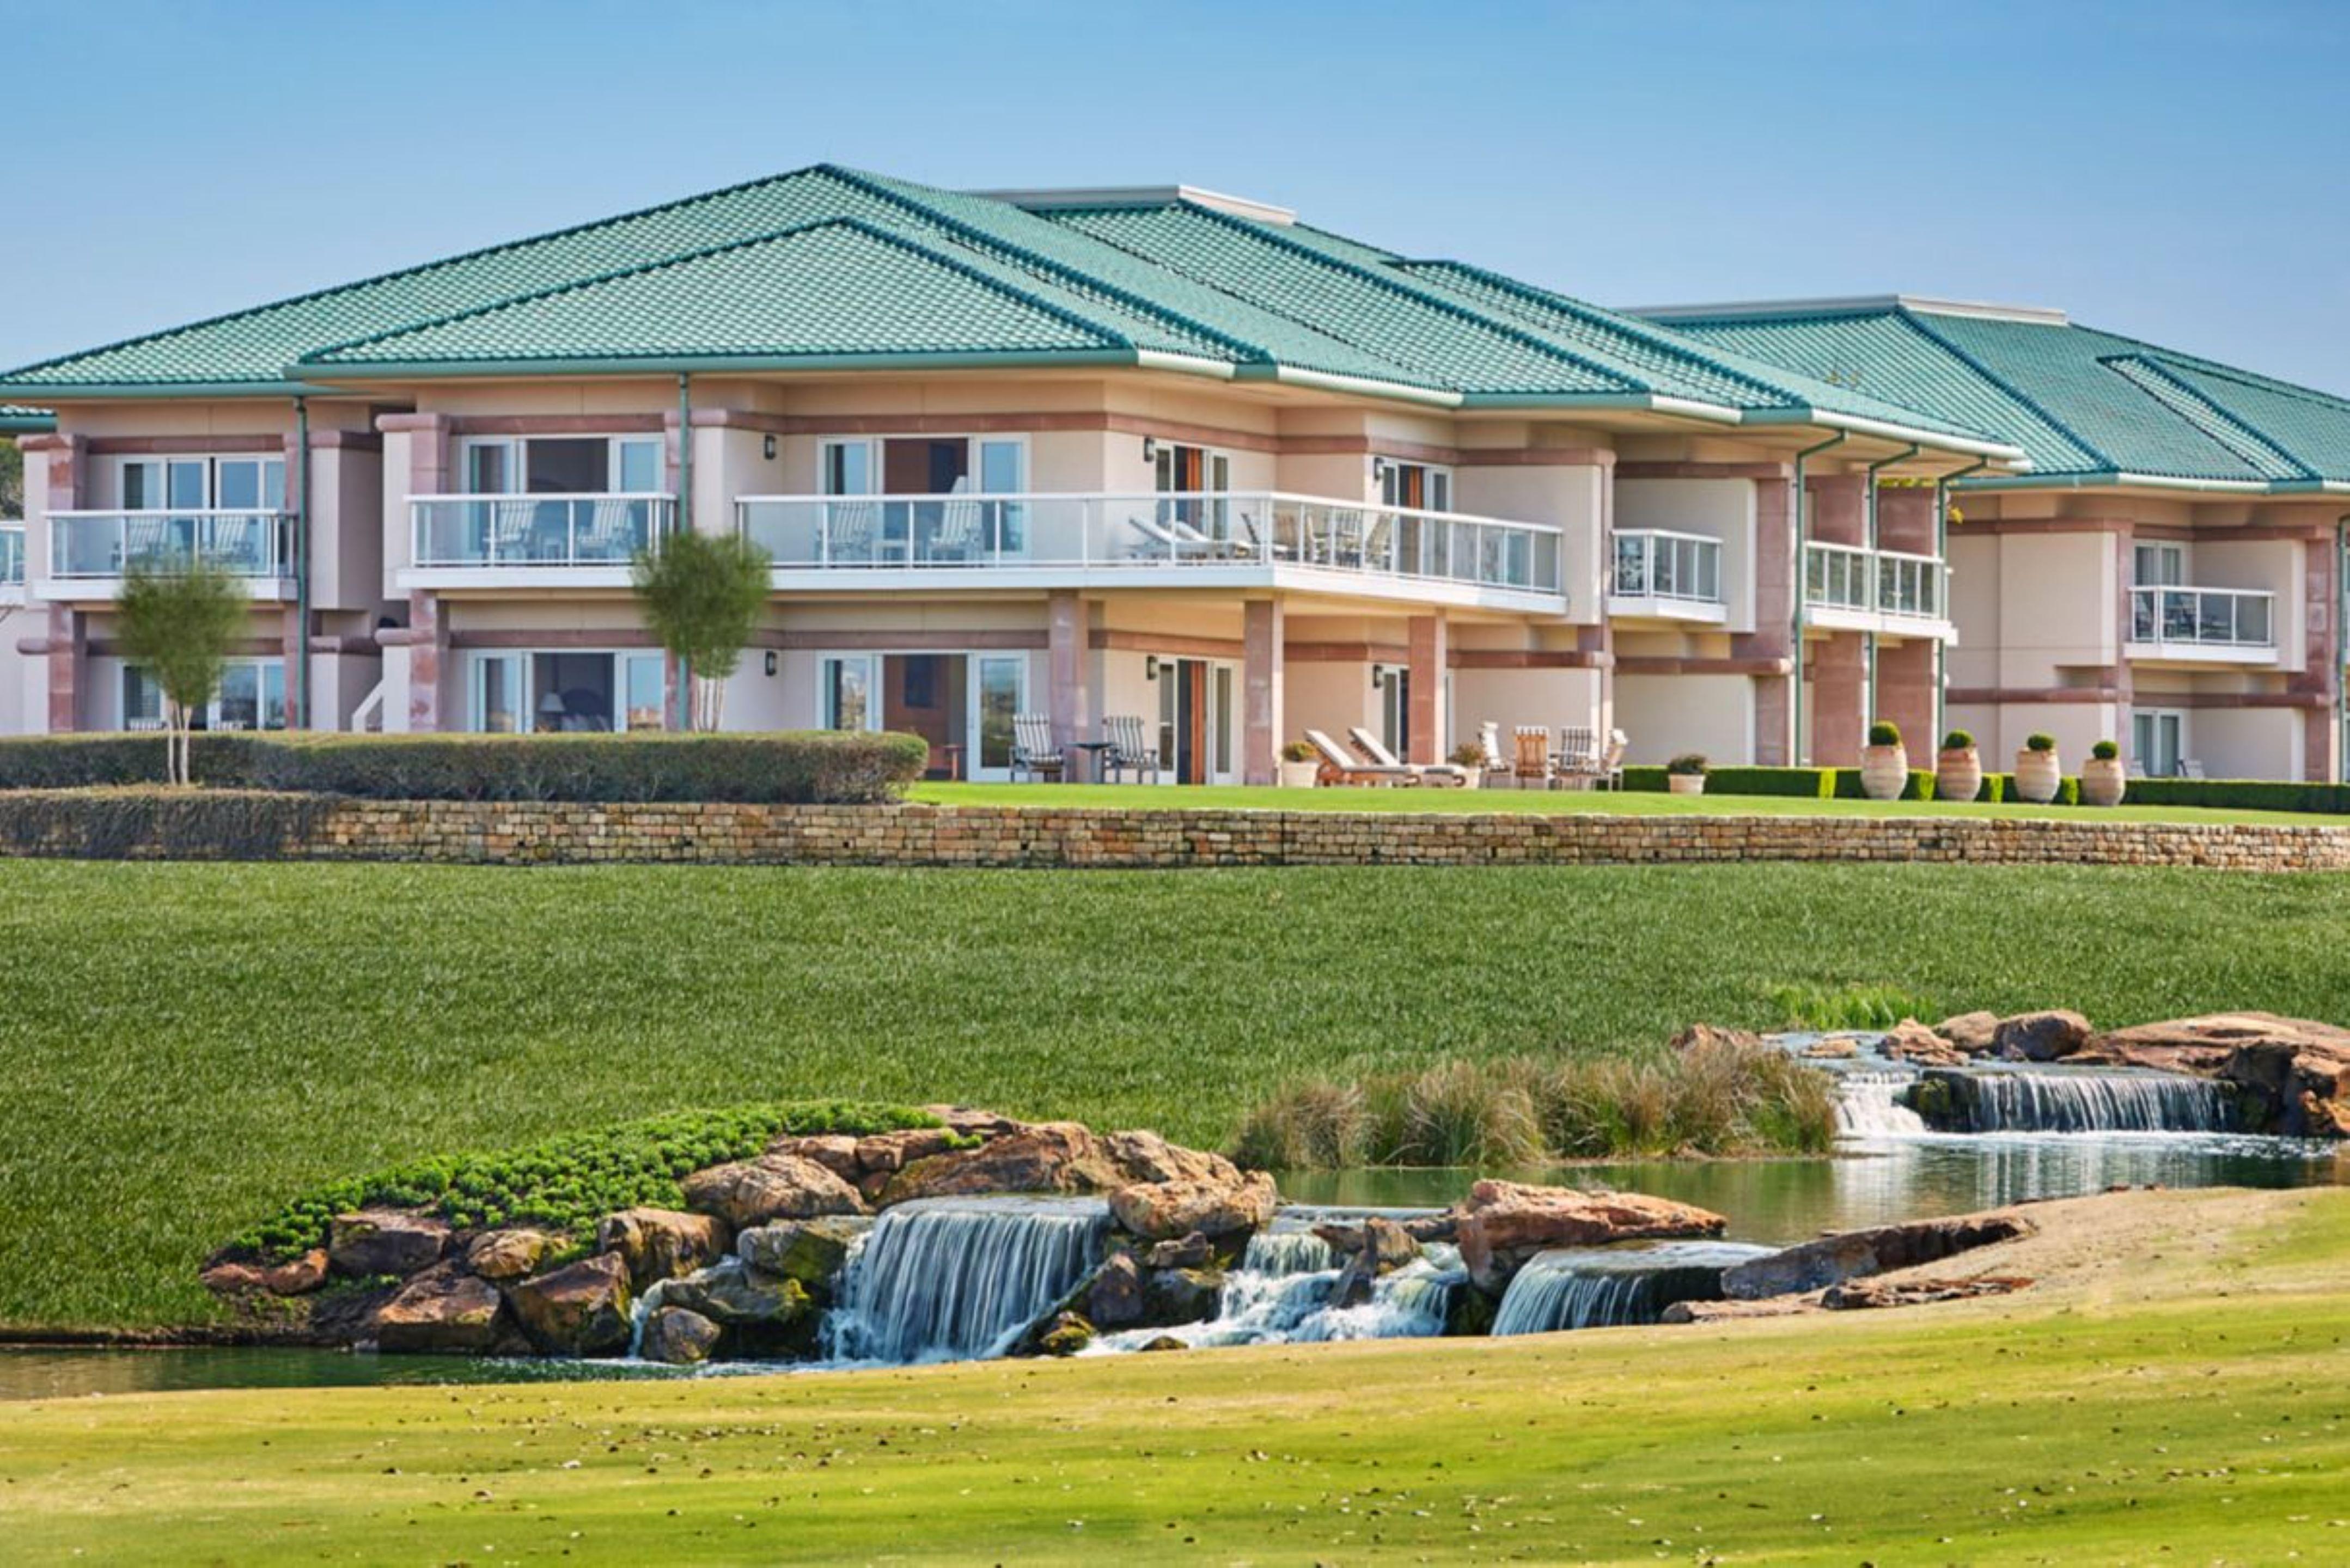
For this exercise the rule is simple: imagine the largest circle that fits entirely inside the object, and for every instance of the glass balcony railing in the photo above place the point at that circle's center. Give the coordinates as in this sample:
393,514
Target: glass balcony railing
550,531
1657,564
1878,582
98,544
1148,532
2207,617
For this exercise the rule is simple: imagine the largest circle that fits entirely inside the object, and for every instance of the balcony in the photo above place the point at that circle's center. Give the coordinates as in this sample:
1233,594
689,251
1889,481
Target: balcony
91,552
1194,539
1891,592
12,562
1665,575
521,541
2202,625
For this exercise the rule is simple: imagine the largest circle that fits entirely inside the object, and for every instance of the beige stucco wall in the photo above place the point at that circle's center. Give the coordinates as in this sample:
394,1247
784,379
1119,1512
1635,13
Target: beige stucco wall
1723,509
1665,715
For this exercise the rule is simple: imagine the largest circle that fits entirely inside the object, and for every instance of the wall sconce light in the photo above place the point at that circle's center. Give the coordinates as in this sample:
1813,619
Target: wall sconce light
771,662
1150,667
1379,470
1378,677
767,449
1149,448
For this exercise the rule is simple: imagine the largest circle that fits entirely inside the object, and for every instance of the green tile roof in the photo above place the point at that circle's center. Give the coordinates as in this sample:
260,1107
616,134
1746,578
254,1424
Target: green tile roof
15,418
2079,401
831,266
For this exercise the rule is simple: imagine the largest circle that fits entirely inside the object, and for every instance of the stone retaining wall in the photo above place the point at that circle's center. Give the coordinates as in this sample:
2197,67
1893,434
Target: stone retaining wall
472,833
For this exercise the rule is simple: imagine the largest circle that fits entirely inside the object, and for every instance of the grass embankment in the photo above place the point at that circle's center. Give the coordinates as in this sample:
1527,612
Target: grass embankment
190,1047
2168,1393
1626,803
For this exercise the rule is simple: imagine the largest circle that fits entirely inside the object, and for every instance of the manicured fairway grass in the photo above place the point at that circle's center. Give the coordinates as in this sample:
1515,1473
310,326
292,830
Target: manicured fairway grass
1629,802
2187,1408
188,1046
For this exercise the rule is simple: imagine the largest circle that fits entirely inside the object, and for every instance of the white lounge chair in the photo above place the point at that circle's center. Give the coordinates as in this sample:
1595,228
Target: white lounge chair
1374,752
1337,767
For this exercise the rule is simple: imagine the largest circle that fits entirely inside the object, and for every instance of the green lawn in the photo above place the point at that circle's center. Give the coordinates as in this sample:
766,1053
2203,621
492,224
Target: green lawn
1634,803
190,1045
2189,1411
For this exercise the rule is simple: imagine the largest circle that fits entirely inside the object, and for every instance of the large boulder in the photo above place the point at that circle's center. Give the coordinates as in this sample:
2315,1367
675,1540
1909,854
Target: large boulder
1860,1295
734,1295
1855,1254
890,1152
1383,1244
581,1309
1167,1211
1147,1156
678,1337
661,1244
1708,1037
1501,1224
1115,1298
507,1254
771,1187
442,1310
1911,1041
385,1241
297,1275
811,1252
1970,1033
836,1152
1048,1157
2294,1073
2046,1036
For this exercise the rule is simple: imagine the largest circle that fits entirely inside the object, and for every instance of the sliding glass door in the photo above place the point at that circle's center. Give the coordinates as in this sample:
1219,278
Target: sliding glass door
962,704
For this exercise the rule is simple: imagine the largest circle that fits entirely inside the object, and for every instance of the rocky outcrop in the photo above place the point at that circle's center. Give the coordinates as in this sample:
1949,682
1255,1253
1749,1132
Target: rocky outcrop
1215,1206
2294,1073
811,1252
661,1244
1501,1224
1911,1041
771,1187
1710,1037
507,1254
442,1310
2047,1036
1115,1297
1855,1254
1859,1295
678,1337
385,1241
739,1297
1970,1033
1043,1156
578,1310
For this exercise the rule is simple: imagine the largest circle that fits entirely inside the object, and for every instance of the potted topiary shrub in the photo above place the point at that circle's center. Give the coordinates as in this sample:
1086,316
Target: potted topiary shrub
1469,758
2039,772
1884,763
1957,768
1685,775
2102,783
1300,764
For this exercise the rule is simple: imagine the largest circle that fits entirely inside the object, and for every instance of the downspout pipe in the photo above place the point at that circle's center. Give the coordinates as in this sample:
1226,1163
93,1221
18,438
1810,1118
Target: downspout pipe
302,564
1876,578
1942,564
2341,649
1795,747
684,524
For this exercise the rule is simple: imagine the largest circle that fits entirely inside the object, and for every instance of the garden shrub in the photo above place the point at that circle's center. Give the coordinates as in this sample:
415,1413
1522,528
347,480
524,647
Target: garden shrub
2242,795
567,1184
180,825
1884,733
1920,786
1848,1007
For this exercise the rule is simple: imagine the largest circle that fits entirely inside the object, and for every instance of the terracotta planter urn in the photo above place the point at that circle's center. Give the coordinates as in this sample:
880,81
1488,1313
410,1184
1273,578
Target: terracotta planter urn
1883,771
1299,775
2038,775
1685,784
1958,774
2103,782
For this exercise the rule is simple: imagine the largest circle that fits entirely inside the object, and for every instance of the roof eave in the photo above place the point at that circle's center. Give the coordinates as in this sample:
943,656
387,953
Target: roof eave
92,392
675,364
1640,402
2121,478
28,424
1860,424
1333,381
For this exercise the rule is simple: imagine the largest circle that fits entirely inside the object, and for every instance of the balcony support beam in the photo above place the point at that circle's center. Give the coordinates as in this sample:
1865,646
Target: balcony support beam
1262,719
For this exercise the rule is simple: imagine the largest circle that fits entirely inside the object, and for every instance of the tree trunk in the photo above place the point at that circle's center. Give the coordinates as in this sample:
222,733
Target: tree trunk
709,699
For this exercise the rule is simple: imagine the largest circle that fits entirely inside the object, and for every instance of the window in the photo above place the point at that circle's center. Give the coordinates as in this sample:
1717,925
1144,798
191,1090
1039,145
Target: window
563,465
2157,741
848,695
2160,565
1421,486
201,484
568,692
251,696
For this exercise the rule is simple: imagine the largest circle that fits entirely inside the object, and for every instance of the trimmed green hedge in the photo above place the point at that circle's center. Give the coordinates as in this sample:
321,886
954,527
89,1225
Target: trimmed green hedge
2242,794
1800,783
796,767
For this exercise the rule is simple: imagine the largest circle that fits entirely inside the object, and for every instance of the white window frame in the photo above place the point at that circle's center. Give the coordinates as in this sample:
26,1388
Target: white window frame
973,467
518,450
874,661
210,463
2168,555
2154,719
478,660
260,664
1437,482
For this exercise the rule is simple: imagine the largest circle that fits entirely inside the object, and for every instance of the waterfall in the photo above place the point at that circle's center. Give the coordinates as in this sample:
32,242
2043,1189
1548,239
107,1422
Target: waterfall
1287,1251
1614,1287
2083,1100
942,1279
1868,1105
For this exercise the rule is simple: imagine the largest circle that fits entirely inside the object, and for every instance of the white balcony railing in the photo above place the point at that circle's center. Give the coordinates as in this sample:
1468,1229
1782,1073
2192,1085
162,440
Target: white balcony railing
1659,564
1881,581
551,531
99,544
12,554
1148,532
2206,617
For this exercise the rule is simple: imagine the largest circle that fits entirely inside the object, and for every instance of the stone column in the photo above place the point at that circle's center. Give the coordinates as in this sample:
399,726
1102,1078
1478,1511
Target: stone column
1425,636
1069,666
69,639
1774,612
1262,721
1839,689
1839,508
2321,749
431,671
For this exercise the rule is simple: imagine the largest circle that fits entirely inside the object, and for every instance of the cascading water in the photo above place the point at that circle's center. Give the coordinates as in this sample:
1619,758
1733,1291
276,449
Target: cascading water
2081,1100
1614,1287
1868,1105
946,1279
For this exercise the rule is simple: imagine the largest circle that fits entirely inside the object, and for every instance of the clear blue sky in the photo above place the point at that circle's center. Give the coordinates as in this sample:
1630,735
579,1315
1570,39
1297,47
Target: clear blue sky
2172,170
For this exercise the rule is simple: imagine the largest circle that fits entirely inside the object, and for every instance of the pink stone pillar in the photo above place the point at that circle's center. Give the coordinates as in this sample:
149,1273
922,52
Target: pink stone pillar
431,668
2321,595
1775,611
1839,683
68,644
1904,695
1426,637
1262,723
1839,508
1905,518
1070,667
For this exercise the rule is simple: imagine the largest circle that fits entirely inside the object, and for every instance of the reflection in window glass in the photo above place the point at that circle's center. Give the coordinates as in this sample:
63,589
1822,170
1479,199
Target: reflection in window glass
848,468
999,700
647,691
848,694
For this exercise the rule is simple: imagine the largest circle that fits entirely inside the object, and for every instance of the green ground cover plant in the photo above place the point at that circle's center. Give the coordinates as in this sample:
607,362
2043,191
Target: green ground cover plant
191,1045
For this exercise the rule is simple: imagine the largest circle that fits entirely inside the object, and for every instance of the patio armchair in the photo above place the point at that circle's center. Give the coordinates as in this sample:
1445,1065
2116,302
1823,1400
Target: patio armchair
1126,750
1578,757
611,533
849,530
1533,763
1374,750
1488,741
1337,767
1033,755
1611,760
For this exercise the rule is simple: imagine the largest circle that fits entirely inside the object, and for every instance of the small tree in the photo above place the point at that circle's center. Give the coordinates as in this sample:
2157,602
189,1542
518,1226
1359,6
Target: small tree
703,594
180,622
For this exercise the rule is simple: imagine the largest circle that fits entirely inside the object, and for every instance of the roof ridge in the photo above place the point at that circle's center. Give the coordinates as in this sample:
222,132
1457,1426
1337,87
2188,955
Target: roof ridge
1909,318
874,186
2258,449
2236,373
861,225
1384,278
418,269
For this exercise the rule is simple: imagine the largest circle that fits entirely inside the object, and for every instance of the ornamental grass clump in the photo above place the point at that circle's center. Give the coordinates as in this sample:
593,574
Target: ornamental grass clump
1862,1007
